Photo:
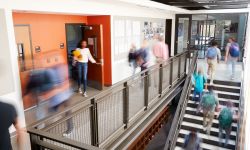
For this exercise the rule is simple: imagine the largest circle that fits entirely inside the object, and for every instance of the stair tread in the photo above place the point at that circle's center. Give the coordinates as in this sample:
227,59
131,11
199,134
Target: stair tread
233,133
204,145
220,106
224,86
201,119
222,99
207,137
223,92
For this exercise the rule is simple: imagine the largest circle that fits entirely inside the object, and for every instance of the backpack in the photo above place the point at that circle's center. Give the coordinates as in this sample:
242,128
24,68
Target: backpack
225,118
211,53
234,50
208,102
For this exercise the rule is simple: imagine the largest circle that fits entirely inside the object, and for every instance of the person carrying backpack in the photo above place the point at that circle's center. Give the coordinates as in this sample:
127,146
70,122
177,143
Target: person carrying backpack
226,118
208,104
213,55
232,54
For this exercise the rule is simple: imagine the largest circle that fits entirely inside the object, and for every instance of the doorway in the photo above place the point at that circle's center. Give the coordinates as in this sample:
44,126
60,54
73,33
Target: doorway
25,57
168,34
182,32
93,34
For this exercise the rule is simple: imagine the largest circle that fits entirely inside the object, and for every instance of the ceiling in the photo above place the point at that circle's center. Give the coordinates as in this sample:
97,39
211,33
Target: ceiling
206,4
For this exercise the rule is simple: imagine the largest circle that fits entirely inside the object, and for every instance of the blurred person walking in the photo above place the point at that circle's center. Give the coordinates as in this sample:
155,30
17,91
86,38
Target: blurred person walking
192,141
213,56
142,56
232,54
132,58
8,117
209,104
160,50
226,118
82,55
199,82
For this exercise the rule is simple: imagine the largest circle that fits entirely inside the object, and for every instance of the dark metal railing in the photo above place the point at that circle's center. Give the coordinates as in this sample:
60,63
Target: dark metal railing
102,118
180,111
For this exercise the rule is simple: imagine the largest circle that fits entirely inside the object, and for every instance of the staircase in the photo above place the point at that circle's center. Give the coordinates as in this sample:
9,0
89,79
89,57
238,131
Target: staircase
226,91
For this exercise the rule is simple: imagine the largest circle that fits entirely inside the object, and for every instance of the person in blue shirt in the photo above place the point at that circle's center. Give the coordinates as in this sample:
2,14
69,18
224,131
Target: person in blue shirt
199,81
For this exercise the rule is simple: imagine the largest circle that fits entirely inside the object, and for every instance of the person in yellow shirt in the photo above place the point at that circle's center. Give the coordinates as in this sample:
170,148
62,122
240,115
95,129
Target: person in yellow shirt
82,55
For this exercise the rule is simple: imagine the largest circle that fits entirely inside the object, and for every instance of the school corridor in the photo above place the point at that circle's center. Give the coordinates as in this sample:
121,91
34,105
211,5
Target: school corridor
124,74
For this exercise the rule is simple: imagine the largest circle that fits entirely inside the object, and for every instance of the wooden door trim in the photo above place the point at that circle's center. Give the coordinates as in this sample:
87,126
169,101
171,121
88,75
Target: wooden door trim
31,46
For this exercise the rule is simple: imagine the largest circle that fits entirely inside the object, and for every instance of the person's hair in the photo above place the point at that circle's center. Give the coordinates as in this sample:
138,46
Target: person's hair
161,38
229,104
210,88
214,43
232,38
79,45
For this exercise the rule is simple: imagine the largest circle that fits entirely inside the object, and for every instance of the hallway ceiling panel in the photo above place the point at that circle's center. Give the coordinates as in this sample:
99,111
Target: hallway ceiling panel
207,4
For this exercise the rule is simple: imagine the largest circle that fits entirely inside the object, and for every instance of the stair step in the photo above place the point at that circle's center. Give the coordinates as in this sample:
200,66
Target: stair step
199,120
222,101
208,139
204,146
193,104
225,88
227,95
199,128
229,83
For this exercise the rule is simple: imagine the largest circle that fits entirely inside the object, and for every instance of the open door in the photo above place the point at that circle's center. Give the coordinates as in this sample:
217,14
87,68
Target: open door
182,32
94,36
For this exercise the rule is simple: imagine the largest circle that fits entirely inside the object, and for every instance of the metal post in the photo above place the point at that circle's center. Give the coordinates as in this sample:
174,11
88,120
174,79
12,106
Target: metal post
160,78
94,123
179,67
185,67
171,73
126,104
146,89
33,140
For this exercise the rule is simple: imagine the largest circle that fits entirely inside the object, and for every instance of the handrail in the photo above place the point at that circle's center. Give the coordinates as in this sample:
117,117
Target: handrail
120,83
121,92
173,133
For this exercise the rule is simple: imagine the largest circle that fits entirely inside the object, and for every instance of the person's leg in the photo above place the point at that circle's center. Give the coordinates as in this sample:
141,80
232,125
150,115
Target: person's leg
212,71
204,120
228,132
200,95
79,65
194,96
70,120
210,121
220,134
209,67
233,66
85,75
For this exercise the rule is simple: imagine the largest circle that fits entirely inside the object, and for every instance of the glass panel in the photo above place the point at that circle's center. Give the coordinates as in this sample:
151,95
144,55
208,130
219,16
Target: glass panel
166,77
153,84
175,69
182,40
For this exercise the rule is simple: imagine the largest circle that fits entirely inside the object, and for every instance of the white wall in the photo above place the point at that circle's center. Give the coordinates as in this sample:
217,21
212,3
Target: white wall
9,76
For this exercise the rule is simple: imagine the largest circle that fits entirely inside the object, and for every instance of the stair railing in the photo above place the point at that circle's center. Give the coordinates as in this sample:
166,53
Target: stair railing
180,111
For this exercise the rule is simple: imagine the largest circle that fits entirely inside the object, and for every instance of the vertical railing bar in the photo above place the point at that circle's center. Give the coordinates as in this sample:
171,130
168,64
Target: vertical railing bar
185,67
160,79
171,73
146,89
179,66
93,123
96,125
126,104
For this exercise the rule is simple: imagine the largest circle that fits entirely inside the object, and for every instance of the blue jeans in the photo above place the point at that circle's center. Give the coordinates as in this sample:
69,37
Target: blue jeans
82,75
233,61
199,96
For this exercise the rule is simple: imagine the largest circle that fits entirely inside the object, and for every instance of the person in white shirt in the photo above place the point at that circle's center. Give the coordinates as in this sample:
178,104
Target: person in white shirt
82,63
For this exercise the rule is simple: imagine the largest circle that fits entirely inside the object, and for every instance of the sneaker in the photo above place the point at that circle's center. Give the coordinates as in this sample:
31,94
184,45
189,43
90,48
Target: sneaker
85,94
80,90
67,133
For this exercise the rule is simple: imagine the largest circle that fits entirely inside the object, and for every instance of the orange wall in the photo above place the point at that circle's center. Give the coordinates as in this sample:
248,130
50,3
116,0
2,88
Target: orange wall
47,30
105,21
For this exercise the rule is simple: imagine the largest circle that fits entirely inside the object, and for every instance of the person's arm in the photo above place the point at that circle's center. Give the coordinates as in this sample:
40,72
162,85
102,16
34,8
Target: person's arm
19,133
227,51
219,55
90,57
